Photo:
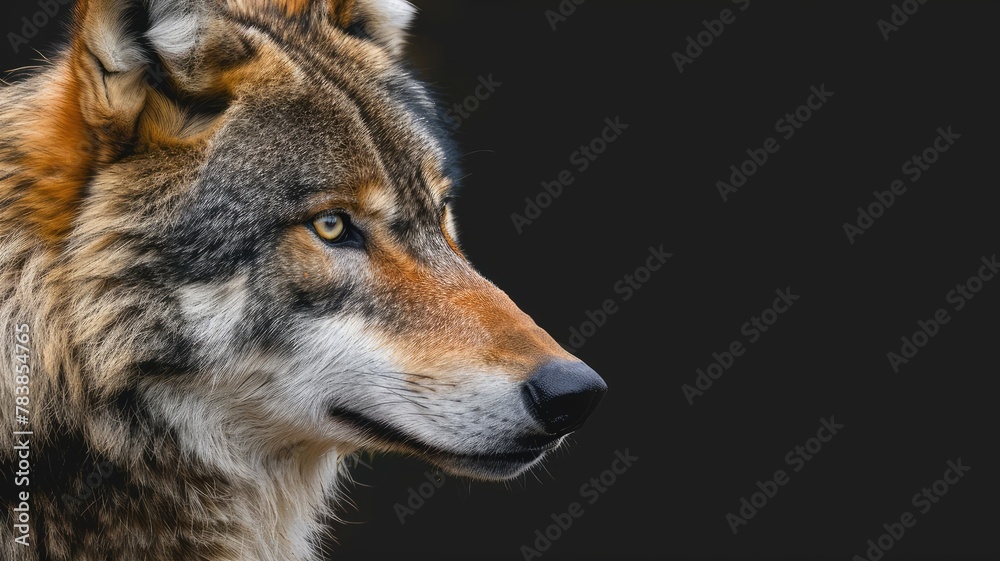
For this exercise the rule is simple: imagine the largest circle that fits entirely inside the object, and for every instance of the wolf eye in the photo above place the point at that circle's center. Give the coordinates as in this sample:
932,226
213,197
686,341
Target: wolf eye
331,226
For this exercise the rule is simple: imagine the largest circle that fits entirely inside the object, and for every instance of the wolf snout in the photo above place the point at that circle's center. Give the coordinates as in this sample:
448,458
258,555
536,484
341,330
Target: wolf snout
562,394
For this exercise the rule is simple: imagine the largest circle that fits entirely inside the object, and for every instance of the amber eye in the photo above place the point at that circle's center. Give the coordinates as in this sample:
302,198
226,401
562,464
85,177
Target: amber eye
331,226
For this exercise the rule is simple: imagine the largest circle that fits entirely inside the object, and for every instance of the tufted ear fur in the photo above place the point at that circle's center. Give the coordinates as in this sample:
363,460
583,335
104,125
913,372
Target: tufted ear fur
123,50
134,56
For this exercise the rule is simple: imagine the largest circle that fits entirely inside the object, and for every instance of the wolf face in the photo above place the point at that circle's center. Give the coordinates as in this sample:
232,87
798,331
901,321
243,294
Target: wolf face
230,223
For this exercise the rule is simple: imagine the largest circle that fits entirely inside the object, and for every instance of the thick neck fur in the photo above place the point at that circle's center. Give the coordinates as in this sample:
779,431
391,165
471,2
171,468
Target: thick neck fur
164,479
150,499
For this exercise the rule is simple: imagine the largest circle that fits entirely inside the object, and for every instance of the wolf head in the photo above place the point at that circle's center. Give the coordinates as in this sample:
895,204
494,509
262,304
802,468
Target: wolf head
250,202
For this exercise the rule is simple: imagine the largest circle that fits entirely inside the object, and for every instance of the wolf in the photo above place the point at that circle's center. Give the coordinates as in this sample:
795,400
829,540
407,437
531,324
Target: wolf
229,261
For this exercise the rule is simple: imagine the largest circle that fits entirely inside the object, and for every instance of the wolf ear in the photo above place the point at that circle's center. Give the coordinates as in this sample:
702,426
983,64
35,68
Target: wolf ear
130,56
126,51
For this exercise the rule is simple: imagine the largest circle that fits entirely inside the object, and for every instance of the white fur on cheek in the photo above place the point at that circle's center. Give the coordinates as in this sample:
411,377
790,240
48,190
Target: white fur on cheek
342,363
214,311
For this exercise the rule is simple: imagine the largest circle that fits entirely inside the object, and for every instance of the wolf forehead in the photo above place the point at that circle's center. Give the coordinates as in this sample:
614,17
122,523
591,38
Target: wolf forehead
279,158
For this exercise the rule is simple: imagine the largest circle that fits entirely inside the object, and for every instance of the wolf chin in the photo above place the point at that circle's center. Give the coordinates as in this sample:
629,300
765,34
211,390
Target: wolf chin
228,260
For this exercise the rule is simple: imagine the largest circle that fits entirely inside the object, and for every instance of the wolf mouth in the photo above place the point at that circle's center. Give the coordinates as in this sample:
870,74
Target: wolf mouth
493,463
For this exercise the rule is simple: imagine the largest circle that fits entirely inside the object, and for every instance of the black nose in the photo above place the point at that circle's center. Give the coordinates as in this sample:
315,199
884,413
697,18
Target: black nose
562,394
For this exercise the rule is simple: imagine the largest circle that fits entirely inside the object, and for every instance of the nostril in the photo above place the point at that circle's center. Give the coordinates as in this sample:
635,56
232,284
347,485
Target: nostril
562,413
562,394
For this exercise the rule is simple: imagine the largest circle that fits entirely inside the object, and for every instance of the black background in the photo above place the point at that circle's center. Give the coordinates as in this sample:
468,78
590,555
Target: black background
655,185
